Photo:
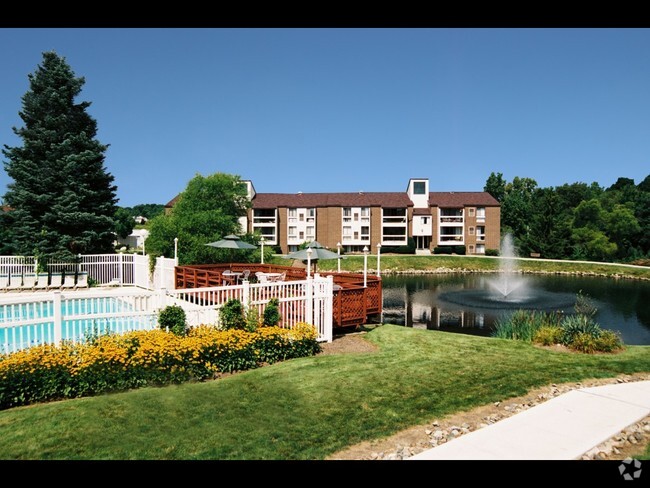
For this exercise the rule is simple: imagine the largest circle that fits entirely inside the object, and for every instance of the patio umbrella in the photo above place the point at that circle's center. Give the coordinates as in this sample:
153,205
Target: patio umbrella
317,252
231,242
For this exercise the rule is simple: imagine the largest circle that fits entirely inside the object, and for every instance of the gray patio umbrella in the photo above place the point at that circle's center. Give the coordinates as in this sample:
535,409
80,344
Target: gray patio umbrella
231,242
317,252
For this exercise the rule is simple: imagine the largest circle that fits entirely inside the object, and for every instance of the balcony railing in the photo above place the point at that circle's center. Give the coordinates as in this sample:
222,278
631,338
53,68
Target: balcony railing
451,220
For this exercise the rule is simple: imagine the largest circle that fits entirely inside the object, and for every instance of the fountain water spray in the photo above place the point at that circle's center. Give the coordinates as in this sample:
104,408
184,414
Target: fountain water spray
507,282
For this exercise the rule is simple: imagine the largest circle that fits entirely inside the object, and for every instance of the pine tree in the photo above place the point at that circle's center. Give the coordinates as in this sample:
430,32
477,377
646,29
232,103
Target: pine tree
62,198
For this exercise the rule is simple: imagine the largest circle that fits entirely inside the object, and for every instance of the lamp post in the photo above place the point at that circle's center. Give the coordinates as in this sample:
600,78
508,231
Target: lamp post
175,250
262,244
338,261
378,258
365,266
309,251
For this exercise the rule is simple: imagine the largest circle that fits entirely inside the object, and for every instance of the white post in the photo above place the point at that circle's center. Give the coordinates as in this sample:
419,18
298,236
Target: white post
35,265
119,271
246,295
378,259
309,301
176,250
329,309
143,241
338,261
365,266
58,322
162,297
159,263
262,253
79,263
309,251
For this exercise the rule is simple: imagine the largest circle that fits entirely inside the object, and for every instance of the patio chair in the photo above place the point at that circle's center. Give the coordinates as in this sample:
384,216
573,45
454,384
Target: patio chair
29,281
42,281
82,280
245,274
55,280
4,282
68,281
262,278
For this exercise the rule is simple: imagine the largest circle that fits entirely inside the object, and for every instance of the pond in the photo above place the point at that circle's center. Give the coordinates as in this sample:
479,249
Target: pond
431,302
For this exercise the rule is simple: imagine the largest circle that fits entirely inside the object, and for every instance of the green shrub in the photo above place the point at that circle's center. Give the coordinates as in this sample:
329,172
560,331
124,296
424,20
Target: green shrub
572,325
252,319
521,325
443,250
232,315
548,335
583,342
462,250
608,341
172,319
272,313
584,305
491,252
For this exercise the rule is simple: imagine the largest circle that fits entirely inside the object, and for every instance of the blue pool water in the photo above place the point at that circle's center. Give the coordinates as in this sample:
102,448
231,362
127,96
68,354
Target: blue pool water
104,315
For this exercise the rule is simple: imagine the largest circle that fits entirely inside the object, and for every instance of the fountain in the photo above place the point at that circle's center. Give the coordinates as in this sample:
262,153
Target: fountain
509,290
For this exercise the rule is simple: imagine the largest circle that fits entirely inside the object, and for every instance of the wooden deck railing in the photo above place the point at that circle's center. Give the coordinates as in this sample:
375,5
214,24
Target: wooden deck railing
353,304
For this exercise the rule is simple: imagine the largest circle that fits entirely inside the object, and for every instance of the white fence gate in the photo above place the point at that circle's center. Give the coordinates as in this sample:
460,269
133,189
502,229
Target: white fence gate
164,274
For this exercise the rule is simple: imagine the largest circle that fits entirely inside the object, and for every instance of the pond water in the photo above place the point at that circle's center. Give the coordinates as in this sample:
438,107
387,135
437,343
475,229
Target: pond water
432,302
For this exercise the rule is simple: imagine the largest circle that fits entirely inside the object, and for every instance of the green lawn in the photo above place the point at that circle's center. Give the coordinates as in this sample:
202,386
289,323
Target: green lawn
305,408
406,263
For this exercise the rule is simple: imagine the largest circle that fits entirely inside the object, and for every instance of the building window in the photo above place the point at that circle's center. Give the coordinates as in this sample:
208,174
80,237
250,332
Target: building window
301,217
356,217
425,220
471,231
356,235
347,231
480,214
480,249
471,211
419,188
480,232
347,212
292,212
365,211
310,231
311,212
471,249
292,232
301,235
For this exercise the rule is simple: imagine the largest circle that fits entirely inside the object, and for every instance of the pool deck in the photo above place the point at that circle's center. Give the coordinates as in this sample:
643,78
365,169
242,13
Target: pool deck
563,428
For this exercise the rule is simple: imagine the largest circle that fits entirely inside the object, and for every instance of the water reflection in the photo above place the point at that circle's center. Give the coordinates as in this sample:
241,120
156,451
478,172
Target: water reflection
415,301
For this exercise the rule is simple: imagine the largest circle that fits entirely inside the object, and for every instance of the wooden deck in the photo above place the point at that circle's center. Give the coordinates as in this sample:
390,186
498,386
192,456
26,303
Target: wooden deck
353,304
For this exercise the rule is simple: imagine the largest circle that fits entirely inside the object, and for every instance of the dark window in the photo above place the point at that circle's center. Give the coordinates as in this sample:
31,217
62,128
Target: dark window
419,187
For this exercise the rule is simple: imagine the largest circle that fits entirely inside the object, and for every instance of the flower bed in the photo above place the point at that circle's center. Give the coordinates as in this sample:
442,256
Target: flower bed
143,358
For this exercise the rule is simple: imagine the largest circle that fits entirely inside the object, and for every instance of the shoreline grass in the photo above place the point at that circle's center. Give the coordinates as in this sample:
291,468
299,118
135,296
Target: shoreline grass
410,264
304,408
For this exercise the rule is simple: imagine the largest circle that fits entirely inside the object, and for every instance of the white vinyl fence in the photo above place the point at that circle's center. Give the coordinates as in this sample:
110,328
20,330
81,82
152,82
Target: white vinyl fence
104,269
307,301
51,317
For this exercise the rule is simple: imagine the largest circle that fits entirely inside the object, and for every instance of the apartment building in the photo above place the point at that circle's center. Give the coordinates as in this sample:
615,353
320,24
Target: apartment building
356,220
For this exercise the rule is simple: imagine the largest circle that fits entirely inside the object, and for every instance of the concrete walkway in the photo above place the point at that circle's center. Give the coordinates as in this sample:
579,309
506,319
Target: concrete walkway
563,428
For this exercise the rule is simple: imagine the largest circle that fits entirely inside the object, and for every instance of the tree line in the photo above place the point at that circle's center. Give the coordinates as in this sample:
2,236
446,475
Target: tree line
577,220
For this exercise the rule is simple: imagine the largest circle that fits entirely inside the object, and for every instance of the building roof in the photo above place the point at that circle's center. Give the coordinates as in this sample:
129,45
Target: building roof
359,199
422,211
173,201
459,199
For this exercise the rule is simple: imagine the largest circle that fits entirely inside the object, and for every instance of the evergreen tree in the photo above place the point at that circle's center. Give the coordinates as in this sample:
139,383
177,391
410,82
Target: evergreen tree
62,198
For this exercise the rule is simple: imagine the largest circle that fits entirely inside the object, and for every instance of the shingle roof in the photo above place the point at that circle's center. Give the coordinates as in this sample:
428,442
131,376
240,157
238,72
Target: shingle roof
305,200
461,198
422,211
173,201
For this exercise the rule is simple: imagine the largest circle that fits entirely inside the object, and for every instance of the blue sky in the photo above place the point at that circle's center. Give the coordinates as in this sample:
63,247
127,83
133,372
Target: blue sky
338,109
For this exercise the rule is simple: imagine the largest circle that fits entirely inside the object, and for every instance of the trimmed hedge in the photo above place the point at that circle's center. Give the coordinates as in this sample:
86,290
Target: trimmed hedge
462,250
143,358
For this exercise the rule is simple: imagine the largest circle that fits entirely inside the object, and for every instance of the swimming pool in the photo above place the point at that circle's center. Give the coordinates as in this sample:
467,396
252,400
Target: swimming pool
75,316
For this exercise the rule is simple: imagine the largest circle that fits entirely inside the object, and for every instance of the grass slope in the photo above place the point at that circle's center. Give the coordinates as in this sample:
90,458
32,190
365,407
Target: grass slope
305,408
404,264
